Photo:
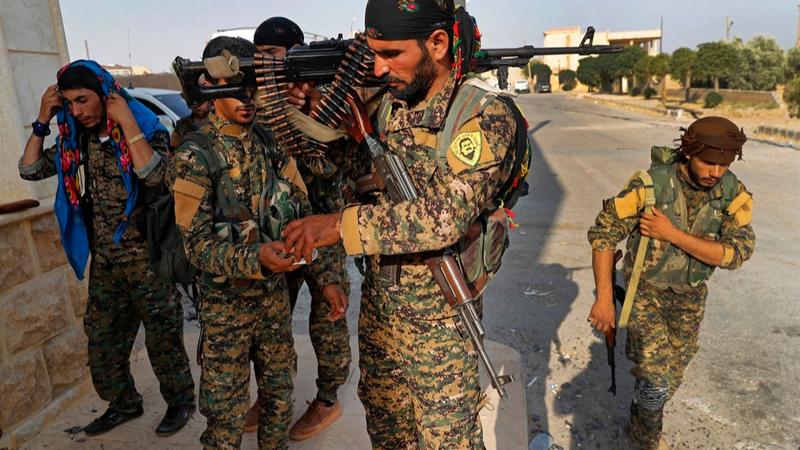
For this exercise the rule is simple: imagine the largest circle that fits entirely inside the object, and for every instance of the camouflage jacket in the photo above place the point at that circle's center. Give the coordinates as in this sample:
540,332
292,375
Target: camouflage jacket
109,195
451,194
619,219
184,126
194,205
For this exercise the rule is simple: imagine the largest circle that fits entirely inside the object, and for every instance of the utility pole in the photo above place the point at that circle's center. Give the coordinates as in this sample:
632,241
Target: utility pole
661,36
728,25
86,46
130,64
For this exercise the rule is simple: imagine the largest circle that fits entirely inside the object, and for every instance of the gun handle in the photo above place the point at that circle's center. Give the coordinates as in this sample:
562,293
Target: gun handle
360,125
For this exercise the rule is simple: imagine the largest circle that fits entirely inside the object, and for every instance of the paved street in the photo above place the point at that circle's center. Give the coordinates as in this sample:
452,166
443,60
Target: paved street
741,390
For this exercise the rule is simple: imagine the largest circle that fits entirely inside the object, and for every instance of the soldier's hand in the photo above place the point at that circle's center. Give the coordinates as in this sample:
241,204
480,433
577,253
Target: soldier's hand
302,236
603,315
304,95
335,297
51,102
656,225
272,256
117,110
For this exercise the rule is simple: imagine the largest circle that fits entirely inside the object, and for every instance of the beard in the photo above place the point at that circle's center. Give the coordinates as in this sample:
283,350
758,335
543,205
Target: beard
417,89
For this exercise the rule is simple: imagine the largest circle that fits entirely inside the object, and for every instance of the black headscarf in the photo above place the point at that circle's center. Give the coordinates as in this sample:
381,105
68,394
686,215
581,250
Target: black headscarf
395,20
278,31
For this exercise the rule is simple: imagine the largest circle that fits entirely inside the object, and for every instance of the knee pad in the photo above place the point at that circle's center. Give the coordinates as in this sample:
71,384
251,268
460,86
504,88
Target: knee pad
648,396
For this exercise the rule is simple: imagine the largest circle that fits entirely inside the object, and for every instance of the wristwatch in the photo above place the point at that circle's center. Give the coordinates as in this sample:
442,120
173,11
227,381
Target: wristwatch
40,129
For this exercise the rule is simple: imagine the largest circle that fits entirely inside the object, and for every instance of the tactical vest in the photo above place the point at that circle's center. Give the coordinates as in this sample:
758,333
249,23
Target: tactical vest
665,265
233,220
480,250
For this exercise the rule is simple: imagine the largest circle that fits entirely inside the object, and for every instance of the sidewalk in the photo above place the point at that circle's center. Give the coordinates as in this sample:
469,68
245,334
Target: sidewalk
504,426
770,126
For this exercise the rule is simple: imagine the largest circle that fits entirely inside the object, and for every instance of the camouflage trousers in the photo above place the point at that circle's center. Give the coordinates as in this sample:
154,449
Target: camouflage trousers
331,340
240,325
121,297
419,381
662,340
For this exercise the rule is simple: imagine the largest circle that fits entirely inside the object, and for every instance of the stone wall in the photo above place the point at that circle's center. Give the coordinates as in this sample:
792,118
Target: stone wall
42,344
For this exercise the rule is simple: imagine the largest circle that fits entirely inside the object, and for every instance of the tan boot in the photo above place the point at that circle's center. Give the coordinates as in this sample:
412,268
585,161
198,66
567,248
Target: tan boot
316,418
251,419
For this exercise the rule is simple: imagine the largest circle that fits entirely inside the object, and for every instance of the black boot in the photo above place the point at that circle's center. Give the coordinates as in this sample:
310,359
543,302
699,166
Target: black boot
110,419
175,418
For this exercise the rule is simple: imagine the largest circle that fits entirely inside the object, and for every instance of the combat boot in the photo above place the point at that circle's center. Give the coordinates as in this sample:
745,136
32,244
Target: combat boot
110,420
174,419
317,418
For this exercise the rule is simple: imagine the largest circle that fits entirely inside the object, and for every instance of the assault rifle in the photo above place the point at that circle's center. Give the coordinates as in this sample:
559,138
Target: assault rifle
321,60
392,176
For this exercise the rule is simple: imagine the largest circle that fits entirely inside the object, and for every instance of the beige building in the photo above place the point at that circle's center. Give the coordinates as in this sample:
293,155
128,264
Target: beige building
120,71
42,345
650,40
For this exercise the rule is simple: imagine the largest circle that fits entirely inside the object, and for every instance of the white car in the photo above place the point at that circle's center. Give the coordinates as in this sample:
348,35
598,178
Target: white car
521,86
168,104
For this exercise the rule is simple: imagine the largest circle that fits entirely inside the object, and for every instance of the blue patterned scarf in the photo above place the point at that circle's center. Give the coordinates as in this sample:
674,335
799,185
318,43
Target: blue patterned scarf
71,219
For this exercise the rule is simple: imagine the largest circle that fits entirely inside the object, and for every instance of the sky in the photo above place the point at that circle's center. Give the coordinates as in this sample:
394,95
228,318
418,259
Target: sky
161,30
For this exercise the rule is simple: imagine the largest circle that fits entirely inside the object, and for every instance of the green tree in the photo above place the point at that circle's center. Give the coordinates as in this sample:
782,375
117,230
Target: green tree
588,72
566,78
681,66
792,64
716,61
541,71
761,64
650,67
791,95
627,62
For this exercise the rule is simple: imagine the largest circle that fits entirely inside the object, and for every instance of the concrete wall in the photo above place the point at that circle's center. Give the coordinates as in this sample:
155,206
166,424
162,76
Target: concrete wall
42,345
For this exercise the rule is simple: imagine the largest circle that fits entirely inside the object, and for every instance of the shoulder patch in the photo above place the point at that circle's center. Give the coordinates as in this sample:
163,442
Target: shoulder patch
741,208
470,148
466,147
630,204
188,196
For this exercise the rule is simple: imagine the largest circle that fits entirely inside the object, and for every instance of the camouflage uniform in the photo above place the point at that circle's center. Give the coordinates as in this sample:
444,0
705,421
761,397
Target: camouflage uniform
183,127
331,340
664,323
419,377
244,309
123,291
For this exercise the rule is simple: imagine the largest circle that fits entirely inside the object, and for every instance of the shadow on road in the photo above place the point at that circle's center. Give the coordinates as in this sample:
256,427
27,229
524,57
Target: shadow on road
530,298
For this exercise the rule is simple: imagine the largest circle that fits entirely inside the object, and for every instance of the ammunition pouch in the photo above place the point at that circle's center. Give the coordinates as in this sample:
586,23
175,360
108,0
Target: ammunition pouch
480,251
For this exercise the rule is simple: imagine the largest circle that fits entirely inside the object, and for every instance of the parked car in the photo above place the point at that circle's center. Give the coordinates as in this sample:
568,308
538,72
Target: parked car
543,87
168,104
521,86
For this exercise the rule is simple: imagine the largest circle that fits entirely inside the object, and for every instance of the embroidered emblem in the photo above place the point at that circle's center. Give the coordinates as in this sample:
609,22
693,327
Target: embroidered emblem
407,5
467,147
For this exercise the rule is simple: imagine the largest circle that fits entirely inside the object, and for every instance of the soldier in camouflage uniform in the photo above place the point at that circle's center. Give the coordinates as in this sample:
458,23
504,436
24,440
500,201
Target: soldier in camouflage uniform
701,220
244,306
419,377
192,122
123,291
331,340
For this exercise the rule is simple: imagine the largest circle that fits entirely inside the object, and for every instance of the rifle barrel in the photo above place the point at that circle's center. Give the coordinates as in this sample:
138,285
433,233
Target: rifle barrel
530,51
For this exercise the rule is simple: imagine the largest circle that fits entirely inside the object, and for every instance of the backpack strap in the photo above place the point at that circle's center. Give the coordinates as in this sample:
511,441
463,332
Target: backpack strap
467,104
644,243
217,169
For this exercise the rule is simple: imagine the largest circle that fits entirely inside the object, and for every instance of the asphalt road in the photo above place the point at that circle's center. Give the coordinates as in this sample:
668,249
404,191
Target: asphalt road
741,391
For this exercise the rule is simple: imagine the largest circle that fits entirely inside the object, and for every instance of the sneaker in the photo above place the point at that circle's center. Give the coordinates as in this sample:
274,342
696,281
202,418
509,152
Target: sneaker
317,418
110,420
175,419
251,419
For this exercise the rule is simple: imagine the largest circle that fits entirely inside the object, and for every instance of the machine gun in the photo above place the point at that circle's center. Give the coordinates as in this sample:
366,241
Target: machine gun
326,61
